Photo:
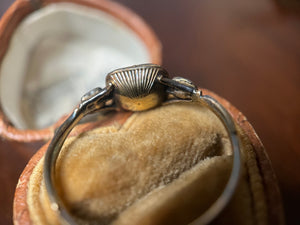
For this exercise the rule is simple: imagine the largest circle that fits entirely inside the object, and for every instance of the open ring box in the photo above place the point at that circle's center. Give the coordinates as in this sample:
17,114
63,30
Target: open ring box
162,166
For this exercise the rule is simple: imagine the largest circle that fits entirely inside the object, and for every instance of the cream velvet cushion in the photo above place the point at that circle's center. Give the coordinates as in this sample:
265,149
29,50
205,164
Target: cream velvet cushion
162,166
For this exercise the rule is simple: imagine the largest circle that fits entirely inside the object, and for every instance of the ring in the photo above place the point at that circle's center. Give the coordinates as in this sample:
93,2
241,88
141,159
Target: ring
139,88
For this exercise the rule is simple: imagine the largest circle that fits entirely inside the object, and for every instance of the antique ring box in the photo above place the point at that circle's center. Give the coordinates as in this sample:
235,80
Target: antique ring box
37,45
184,197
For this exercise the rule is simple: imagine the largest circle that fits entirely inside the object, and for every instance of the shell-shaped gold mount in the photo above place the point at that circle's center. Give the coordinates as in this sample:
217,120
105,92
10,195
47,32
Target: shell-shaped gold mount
137,87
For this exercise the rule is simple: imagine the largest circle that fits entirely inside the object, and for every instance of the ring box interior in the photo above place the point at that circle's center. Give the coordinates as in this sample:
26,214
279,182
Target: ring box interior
162,166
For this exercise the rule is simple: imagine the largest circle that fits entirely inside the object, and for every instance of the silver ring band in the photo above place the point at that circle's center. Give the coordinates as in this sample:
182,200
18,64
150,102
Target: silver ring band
140,88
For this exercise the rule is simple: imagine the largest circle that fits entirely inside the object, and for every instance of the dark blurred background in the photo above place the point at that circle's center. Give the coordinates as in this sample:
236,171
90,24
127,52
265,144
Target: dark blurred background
247,51
4,4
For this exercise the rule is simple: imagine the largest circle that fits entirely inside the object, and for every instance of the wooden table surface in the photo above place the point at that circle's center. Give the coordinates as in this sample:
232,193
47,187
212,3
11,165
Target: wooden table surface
247,51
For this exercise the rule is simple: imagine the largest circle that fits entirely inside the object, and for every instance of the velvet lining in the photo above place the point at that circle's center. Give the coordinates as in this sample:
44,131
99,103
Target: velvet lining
162,166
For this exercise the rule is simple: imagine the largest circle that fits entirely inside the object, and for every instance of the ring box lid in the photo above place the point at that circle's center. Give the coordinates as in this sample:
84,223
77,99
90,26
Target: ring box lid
54,52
